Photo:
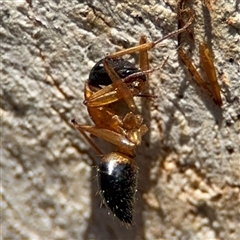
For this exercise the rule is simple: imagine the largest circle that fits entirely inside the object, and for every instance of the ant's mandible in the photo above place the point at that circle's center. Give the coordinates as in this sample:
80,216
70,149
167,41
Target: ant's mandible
109,97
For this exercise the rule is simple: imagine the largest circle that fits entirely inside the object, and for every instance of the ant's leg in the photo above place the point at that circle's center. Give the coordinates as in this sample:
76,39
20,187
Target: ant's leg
144,62
150,45
180,30
82,131
108,135
102,97
143,55
122,90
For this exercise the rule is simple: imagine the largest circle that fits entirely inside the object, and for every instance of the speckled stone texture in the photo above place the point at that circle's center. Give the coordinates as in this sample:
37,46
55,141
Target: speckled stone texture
189,163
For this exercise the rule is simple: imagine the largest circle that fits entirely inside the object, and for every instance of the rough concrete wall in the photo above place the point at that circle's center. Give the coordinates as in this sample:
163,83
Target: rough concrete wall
189,160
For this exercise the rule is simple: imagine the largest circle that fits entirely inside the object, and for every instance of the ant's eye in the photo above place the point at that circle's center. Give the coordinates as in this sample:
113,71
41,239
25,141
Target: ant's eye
117,180
127,72
99,65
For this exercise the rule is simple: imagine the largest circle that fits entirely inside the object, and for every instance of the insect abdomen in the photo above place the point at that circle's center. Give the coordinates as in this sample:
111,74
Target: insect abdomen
118,184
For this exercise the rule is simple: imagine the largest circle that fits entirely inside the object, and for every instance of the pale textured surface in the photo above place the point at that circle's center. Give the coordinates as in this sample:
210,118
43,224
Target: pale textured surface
189,161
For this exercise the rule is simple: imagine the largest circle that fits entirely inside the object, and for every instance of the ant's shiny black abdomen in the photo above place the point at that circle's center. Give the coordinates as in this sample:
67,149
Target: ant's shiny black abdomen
117,178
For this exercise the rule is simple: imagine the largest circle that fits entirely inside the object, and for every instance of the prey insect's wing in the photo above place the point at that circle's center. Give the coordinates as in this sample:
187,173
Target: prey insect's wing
208,66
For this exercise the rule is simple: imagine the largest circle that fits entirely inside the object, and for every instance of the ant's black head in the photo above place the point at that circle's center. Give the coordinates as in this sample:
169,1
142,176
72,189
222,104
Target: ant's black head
98,75
117,178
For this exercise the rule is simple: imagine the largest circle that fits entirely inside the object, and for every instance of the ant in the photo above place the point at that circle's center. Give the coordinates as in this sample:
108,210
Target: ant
109,96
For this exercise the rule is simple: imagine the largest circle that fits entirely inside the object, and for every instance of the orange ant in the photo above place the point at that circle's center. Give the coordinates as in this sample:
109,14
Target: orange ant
206,62
109,96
